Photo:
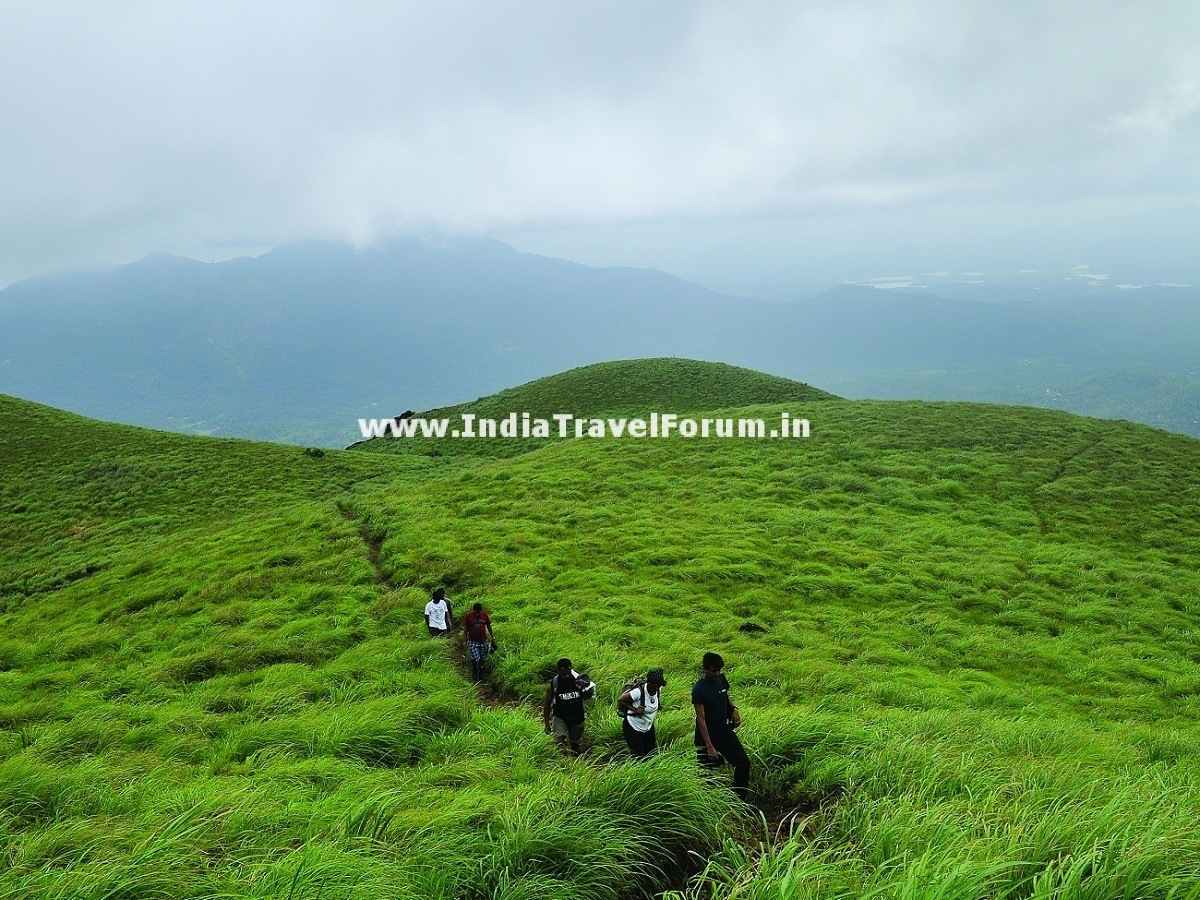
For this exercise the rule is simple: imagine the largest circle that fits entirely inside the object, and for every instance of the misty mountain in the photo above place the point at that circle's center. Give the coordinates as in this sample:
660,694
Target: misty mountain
297,344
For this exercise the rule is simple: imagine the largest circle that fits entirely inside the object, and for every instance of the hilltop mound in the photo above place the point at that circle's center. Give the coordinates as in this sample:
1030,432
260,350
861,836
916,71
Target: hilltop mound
626,387
640,385
972,660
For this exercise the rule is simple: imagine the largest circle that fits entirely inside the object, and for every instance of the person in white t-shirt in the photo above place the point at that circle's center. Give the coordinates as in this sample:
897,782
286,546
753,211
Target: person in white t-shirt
439,617
640,705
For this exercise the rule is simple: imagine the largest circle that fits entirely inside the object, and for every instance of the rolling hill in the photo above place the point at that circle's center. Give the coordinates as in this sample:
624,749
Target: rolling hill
963,638
606,389
624,386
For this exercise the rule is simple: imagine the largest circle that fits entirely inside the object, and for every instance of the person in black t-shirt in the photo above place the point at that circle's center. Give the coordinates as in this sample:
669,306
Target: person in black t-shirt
563,711
716,718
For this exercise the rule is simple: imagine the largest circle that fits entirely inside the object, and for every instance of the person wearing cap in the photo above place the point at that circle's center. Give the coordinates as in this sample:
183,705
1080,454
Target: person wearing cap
563,712
640,706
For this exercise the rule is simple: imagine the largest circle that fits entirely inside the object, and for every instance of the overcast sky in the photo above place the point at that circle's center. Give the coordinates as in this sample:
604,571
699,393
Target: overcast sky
747,146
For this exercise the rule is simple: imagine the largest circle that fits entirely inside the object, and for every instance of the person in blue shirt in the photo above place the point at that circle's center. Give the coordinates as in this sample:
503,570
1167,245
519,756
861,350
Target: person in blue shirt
717,719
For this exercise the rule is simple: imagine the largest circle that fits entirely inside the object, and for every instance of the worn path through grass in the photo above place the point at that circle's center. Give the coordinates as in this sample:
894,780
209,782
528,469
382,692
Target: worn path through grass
978,636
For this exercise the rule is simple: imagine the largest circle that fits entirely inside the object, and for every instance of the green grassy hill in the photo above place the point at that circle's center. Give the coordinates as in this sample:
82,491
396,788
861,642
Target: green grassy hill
963,637
631,387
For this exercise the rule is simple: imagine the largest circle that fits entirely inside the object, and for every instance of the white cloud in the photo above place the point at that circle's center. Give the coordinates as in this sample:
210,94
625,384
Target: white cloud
186,126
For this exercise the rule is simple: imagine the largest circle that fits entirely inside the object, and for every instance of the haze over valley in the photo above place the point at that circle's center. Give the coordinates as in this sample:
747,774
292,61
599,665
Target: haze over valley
299,343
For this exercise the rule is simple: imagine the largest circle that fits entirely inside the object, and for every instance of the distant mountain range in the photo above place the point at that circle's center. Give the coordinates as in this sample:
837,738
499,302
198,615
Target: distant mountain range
296,345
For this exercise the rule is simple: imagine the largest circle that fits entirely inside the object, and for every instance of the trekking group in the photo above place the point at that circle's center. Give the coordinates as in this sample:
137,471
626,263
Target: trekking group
564,711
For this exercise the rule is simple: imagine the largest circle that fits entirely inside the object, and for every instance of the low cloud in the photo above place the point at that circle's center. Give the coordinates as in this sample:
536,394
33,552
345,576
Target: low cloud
198,127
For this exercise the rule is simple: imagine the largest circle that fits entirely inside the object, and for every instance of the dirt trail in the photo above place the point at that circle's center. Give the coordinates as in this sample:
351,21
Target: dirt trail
783,817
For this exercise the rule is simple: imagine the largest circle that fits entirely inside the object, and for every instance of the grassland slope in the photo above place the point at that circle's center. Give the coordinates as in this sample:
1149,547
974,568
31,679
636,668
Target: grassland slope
975,625
207,688
963,637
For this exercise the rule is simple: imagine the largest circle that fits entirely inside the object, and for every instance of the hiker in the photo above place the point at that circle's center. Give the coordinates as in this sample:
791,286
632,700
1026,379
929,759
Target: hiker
639,706
564,703
439,616
716,720
480,638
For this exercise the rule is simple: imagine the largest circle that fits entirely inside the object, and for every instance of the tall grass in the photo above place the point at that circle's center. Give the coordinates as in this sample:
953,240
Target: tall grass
967,667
